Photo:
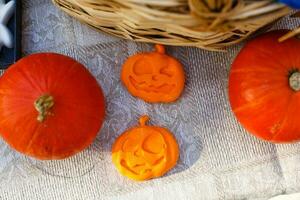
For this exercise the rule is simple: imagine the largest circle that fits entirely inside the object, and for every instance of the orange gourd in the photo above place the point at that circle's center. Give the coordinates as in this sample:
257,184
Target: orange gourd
51,107
154,77
145,152
264,87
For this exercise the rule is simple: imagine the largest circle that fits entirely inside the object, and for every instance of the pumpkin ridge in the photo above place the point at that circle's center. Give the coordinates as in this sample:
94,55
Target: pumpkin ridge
262,69
284,119
32,139
62,77
30,80
269,55
251,104
15,145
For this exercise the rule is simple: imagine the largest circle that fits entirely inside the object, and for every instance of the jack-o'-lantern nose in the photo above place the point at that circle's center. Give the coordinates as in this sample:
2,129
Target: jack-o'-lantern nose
138,152
155,78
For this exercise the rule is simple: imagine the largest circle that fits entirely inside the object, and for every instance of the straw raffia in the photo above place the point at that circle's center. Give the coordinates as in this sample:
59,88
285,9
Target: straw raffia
208,24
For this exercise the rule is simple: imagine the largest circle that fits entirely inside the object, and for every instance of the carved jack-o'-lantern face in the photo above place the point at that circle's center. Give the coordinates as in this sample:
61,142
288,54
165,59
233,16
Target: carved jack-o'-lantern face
145,152
154,77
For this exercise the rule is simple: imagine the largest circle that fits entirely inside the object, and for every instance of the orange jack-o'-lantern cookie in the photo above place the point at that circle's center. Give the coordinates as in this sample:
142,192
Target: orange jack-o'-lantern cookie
154,77
145,152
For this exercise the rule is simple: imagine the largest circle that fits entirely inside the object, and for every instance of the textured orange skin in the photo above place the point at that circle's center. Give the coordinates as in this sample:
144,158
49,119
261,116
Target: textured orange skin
75,118
145,152
154,77
259,90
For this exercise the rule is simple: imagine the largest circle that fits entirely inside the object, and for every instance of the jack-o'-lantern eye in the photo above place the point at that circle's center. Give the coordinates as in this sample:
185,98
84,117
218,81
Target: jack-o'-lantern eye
142,67
130,145
167,71
154,143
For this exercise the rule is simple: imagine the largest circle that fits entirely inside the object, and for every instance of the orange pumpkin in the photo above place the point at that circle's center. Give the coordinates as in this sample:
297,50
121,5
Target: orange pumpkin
154,77
145,152
51,107
264,87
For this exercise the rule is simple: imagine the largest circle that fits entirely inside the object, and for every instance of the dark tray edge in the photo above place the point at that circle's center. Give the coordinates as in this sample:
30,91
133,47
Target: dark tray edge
17,35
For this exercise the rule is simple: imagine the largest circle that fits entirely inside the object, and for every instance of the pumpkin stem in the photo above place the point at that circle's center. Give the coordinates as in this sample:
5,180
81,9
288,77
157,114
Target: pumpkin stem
294,81
43,104
160,48
143,120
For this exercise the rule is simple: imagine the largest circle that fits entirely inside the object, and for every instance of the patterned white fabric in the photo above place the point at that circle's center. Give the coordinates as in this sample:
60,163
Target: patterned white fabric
218,158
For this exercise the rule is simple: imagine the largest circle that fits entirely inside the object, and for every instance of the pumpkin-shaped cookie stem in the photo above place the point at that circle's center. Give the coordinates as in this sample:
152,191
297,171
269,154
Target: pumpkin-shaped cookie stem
160,48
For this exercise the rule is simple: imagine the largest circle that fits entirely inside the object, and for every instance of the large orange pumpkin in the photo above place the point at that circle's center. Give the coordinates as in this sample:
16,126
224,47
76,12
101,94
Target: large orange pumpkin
51,107
264,87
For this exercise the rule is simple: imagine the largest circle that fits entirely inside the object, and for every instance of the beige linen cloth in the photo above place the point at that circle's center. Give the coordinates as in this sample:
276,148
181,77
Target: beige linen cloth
218,158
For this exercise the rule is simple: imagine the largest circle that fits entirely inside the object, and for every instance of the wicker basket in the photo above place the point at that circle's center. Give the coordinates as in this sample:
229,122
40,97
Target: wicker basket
208,24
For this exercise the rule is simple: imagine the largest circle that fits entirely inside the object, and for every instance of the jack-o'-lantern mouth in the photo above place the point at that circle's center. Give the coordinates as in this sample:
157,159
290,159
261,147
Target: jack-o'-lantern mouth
141,169
144,86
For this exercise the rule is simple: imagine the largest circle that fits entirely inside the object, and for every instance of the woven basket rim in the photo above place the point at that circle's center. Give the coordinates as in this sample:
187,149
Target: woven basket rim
176,22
